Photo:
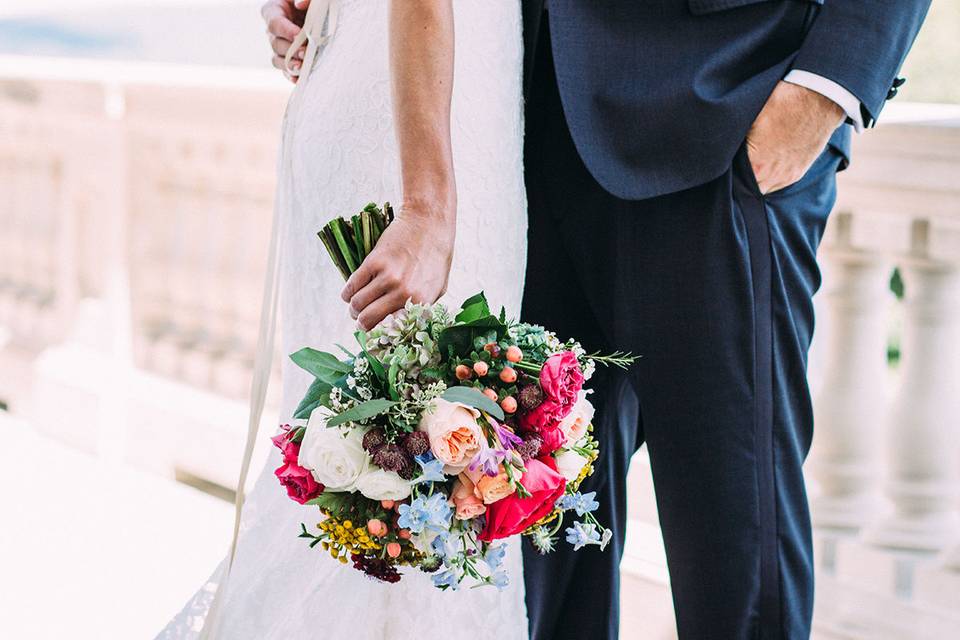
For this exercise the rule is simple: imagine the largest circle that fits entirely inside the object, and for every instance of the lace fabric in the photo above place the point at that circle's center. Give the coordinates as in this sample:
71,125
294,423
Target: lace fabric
339,153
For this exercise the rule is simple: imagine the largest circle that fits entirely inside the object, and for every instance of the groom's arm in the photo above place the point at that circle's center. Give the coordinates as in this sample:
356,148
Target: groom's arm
860,45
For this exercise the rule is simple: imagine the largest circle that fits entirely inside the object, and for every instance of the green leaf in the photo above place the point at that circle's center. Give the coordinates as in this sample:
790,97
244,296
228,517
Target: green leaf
473,398
461,336
392,380
375,365
320,363
362,411
312,398
473,308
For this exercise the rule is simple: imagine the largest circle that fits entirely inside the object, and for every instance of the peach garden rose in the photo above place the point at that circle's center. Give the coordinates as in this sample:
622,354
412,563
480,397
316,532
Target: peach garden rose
455,437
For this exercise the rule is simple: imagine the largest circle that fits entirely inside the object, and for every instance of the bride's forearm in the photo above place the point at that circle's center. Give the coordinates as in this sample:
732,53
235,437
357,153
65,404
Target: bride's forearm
421,64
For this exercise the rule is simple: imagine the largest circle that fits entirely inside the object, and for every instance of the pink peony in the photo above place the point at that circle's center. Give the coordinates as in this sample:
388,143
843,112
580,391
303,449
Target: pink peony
553,439
561,378
561,381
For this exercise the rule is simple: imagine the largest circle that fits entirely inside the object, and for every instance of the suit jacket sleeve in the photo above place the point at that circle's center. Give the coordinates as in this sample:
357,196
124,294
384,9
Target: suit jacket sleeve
860,45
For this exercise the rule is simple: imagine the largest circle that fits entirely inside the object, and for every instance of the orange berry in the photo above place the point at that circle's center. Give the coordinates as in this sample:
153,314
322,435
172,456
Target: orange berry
481,368
514,354
387,504
403,534
493,349
393,549
490,393
463,372
509,404
376,527
508,375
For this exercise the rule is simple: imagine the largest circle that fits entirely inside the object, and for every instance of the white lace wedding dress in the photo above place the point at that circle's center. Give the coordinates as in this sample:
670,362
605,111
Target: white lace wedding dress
339,152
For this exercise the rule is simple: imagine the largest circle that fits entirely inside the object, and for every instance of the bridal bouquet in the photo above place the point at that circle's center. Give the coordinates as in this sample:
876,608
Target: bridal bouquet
439,435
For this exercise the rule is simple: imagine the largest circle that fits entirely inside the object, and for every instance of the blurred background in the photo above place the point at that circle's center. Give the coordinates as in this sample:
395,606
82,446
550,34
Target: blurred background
137,145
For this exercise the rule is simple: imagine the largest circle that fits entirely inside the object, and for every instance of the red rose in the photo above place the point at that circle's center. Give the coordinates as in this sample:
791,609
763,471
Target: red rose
513,514
561,378
299,482
545,417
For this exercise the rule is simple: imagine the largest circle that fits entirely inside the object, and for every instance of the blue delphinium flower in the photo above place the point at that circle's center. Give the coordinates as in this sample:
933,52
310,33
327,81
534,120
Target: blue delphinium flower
581,534
605,539
422,513
437,513
412,516
431,467
500,580
446,547
446,578
494,556
582,503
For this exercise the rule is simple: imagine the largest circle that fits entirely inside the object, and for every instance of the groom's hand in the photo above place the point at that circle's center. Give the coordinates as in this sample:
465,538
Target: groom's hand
789,134
284,19
410,262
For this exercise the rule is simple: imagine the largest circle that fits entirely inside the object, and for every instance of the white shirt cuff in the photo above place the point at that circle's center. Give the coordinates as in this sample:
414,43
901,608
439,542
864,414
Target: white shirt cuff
829,89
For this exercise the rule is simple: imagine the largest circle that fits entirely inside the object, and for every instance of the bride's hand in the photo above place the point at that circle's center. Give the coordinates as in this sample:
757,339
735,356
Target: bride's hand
412,258
410,262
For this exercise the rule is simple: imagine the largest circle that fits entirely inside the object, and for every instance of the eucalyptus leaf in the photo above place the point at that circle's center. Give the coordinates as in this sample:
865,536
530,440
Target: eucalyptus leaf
473,398
320,363
362,411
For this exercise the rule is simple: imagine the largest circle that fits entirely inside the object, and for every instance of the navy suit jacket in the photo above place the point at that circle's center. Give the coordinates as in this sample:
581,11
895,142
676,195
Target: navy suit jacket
660,94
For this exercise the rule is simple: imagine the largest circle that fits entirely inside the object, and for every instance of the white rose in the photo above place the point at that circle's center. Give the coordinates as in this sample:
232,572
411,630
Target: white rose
574,426
570,464
334,456
381,484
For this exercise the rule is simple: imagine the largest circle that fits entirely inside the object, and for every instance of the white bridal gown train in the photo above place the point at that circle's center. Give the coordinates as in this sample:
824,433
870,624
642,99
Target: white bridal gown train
339,152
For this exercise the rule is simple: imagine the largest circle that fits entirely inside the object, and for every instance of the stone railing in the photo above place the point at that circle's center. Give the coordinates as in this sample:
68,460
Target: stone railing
885,463
135,206
135,203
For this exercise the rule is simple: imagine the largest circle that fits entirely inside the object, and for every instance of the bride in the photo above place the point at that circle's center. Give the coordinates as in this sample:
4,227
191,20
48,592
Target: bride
382,110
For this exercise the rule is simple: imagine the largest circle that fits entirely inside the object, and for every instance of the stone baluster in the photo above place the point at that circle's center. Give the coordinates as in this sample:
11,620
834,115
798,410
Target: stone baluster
923,478
848,404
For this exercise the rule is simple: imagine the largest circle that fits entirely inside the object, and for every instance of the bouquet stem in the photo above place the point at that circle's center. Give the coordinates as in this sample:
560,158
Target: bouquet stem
350,242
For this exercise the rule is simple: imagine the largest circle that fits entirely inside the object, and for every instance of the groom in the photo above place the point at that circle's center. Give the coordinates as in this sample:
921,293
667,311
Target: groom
680,164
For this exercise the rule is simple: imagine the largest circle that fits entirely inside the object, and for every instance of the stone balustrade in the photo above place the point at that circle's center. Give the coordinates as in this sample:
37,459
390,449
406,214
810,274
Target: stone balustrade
135,203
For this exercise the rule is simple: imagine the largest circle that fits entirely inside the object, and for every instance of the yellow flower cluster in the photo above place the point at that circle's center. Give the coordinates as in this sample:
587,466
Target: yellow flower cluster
344,539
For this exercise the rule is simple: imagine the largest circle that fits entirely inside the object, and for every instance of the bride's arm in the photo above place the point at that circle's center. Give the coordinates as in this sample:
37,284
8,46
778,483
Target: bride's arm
412,259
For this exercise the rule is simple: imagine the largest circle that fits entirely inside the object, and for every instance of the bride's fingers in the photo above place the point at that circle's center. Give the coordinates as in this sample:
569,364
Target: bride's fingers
360,278
378,310
362,299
